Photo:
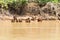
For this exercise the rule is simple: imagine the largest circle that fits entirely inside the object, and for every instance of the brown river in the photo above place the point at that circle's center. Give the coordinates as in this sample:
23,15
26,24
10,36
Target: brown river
45,30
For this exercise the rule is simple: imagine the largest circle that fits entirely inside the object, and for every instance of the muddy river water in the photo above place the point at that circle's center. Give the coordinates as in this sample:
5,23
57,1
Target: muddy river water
45,30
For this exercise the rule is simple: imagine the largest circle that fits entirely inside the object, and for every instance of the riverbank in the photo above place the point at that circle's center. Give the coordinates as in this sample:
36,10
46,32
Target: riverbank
30,17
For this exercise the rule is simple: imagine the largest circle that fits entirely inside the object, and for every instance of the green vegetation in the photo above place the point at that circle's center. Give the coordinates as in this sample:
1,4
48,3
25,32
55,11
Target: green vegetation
21,2
4,3
13,5
45,1
18,5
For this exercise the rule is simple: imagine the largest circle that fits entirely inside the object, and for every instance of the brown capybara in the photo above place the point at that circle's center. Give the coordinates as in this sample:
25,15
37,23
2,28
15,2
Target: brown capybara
16,20
58,18
33,18
20,20
12,20
28,20
39,20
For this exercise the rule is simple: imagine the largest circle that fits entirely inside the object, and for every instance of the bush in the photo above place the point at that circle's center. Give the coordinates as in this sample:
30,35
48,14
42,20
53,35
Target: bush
17,6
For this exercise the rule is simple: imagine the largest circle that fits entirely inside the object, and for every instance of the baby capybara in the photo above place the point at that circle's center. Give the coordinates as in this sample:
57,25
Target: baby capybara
28,20
33,19
20,20
12,20
16,20
39,20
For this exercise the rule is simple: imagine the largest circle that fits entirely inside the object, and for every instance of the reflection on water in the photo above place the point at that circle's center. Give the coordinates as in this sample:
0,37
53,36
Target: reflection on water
45,30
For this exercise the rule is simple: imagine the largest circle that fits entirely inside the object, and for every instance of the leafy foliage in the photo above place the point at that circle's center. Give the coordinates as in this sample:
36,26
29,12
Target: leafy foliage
19,2
18,5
